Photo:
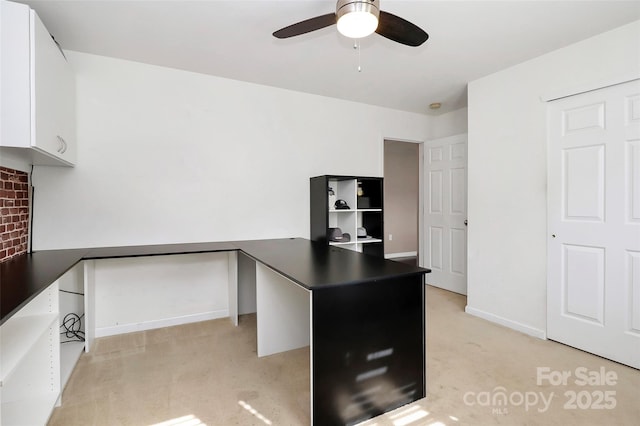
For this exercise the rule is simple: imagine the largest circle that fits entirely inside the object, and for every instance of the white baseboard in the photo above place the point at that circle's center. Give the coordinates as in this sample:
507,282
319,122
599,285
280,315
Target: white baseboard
514,325
160,323
397,255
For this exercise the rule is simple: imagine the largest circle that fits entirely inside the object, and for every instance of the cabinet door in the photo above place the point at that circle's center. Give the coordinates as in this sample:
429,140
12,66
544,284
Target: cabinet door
14,75
52,96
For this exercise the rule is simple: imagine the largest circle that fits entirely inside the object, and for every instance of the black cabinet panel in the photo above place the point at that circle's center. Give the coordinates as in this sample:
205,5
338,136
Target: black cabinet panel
368,349
319,209
374,249
372,192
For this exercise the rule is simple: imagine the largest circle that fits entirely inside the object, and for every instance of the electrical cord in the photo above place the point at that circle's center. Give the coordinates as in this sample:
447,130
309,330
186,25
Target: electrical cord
72,292
72,324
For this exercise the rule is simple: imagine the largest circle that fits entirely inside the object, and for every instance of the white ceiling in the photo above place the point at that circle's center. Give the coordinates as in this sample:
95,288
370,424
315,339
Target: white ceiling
232,39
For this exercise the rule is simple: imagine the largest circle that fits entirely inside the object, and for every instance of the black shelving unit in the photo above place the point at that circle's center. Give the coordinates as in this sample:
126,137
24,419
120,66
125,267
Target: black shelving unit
364,196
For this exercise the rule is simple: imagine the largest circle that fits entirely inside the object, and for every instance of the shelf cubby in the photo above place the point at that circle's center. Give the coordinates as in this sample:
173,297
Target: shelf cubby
30,354
364,197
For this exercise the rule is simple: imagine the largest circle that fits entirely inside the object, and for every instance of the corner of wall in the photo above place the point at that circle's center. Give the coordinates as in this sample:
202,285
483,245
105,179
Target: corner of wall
448,124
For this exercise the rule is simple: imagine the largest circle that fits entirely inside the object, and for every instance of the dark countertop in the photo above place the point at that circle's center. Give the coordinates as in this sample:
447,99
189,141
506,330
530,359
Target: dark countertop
158,250
23,277
315,266
312,265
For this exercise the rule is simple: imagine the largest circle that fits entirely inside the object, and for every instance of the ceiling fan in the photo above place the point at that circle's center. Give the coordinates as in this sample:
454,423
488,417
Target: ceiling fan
357,19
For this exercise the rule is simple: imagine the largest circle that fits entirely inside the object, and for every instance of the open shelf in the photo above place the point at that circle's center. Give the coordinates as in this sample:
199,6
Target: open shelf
29,360
71,297
368,240
30,411
18,336
364,196
69,356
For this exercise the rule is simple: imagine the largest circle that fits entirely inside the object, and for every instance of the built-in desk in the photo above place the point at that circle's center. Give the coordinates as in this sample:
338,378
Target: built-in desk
363,316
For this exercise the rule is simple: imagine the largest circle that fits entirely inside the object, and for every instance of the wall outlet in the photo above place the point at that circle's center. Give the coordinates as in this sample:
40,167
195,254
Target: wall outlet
390,237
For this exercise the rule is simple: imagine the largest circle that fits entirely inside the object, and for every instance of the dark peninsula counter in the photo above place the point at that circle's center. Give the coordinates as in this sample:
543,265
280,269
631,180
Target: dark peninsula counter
307,263
364,315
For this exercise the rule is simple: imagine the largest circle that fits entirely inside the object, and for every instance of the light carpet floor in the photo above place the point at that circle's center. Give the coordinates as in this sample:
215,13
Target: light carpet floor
207,373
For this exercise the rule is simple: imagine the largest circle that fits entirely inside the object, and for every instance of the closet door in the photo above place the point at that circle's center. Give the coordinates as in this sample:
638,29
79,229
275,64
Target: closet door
593,297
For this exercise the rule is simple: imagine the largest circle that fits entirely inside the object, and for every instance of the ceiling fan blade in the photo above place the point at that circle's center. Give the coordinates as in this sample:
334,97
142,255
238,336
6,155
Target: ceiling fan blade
399,30
307,26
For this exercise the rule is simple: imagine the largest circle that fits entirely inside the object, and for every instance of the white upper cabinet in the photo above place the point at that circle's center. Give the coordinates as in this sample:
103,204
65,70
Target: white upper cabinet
15,92
52,96
37,90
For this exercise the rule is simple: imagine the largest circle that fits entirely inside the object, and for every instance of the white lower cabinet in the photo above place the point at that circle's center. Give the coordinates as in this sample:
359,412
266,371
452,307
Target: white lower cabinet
30,361
38,353
72,321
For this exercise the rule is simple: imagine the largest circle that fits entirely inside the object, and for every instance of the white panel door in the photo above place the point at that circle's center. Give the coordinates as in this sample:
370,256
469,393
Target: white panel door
593,295
445,213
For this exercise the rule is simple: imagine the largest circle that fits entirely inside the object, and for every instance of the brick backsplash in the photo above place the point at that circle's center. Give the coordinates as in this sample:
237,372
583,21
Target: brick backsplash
14,212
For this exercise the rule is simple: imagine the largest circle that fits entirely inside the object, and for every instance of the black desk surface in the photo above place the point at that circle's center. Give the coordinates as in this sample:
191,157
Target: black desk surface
310,264
315,266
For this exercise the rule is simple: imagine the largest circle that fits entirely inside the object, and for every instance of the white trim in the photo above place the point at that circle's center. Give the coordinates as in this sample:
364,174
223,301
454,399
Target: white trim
421,225
160,323
89,277
514,325
595,85
12,160
403,254
311,353
232,258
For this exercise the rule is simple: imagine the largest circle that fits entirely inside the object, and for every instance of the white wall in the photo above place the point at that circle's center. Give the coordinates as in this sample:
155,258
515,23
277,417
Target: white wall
142,293
448,124
508,173
167,155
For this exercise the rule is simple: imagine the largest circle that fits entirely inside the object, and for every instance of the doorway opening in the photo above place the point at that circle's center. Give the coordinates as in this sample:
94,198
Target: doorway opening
402,170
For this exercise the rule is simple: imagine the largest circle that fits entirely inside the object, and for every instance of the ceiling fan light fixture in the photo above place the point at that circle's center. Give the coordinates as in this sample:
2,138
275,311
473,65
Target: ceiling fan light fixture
357,18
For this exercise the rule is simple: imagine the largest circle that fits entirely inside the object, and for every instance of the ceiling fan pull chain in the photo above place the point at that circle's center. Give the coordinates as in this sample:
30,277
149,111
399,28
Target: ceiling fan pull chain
356,45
